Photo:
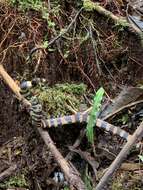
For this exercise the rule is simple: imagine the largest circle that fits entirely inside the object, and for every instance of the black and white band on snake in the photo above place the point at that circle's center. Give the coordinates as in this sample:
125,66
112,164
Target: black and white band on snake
38,119
83,118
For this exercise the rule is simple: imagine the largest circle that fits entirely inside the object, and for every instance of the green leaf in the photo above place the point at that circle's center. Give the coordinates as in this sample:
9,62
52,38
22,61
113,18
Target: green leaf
93,115
45,44
51,24
88,5
140,157
51,49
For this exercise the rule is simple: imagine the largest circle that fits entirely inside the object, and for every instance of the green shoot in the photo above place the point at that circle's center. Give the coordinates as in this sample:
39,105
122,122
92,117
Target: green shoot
93,115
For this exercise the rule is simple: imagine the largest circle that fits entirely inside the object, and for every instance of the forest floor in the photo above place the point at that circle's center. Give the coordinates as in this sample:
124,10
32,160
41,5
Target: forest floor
91,49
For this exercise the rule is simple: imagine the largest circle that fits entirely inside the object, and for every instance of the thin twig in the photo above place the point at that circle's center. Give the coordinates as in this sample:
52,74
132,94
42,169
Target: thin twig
76,144
65,30
5,37
87,77
95,50
58,36
122,108
38,63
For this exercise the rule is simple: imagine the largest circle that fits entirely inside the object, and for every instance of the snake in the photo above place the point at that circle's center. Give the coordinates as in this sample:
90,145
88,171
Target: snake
38,115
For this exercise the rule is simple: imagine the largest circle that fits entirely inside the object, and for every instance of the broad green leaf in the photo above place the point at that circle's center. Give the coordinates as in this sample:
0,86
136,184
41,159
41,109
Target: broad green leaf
93,115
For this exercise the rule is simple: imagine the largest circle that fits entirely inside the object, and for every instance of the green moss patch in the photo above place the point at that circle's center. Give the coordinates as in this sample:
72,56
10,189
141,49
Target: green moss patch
61,99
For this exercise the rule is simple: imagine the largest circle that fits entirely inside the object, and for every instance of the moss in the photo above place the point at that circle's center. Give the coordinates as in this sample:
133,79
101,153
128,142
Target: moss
71,88
89,5
127,180
14,181
60,99
117,185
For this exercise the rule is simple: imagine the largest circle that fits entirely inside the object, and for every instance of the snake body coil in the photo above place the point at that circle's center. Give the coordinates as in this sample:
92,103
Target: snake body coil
37,115
35,110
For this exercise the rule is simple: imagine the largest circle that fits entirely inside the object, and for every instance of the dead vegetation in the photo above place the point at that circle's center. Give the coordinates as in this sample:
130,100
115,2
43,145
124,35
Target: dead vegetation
74,42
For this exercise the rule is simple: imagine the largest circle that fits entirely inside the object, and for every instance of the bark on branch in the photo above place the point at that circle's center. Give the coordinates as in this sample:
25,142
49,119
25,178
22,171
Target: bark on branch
138,134
91,6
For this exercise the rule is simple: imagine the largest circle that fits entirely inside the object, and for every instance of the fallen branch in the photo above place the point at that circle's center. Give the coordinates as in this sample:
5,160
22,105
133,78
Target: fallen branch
71,174
138,134
112,114
117,111
131,166
13,86
11,83
8,172
92,6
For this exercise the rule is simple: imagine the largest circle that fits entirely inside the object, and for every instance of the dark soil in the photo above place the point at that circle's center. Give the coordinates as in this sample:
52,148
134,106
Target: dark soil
120,54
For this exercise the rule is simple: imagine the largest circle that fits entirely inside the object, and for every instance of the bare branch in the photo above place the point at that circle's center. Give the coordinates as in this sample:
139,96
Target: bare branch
8,172
138,134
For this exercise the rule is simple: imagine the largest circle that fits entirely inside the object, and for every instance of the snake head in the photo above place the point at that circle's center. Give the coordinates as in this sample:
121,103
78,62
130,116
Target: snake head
26,85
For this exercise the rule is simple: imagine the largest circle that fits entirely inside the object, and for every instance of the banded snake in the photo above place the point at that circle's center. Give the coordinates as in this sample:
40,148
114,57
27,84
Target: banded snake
38,116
